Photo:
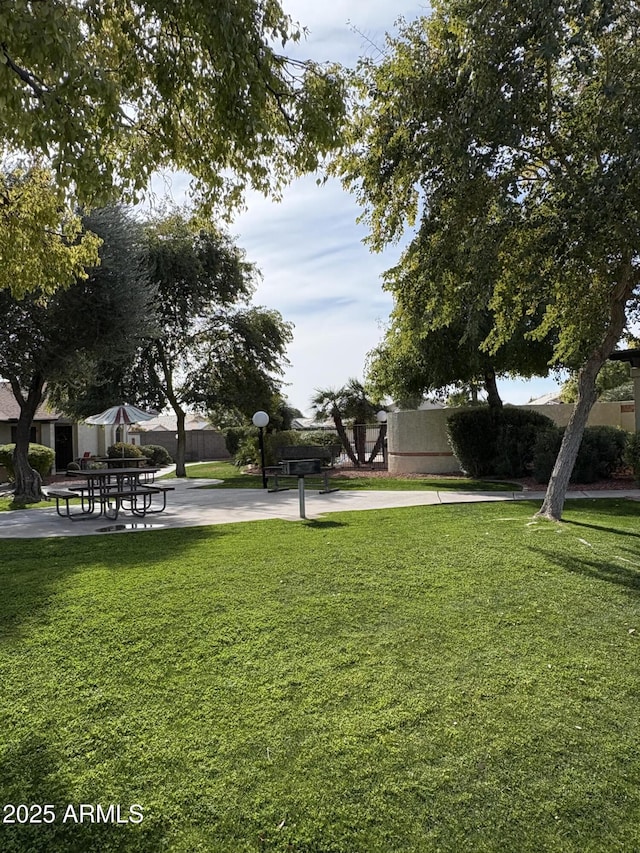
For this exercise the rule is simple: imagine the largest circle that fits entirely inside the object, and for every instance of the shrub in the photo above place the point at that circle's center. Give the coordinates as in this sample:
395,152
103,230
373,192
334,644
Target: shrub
122,448
632,454
41,458
234,436
248,450
472,437
496,442
601,452
321,437
283,438
157,455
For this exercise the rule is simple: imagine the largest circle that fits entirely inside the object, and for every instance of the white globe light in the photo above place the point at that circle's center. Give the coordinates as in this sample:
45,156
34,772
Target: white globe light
260,419
382,417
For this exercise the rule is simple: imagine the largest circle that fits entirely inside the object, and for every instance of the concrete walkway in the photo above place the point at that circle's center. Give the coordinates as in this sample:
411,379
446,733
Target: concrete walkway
191,506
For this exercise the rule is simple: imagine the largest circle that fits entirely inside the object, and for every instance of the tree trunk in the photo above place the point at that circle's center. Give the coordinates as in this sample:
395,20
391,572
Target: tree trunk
554,499
379,445
172,397
28,483
493,397
360,441
344,438
181,470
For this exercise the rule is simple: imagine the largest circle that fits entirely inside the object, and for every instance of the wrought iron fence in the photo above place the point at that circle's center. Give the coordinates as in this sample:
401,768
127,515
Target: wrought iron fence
367,448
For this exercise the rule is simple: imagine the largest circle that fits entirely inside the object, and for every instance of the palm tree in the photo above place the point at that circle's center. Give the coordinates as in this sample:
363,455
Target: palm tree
329,403
347,403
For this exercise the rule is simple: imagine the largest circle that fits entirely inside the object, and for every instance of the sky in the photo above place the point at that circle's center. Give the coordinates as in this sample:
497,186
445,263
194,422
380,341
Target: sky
315,268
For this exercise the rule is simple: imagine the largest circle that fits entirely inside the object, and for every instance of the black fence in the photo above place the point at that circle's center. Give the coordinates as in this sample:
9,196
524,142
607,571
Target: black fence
367,448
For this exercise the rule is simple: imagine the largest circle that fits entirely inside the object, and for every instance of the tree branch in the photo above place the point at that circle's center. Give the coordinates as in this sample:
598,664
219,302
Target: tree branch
37,86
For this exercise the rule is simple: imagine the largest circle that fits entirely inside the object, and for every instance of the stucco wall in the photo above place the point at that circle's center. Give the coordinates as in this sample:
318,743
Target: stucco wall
418,444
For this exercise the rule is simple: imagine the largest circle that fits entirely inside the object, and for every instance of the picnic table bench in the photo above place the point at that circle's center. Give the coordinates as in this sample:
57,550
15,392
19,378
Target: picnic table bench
103,496
300,452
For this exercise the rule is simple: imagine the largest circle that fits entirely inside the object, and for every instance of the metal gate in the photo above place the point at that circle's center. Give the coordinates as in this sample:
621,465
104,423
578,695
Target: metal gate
368,448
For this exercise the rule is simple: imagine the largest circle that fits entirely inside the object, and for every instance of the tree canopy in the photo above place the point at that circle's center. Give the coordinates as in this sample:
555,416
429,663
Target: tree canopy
415,359
57,342
504,137
111,91
209,346
42,243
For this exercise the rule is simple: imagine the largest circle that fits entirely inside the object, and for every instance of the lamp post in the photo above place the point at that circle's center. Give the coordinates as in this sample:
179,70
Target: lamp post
261,419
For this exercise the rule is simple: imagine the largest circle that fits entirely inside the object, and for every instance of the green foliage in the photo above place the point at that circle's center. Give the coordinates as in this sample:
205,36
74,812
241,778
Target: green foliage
228,473
625,391
157,455
612,383
502,137
248,450
632,454
123,448
43,245
322,437
234,436
41,458
115,91
496,442
602,451
497,134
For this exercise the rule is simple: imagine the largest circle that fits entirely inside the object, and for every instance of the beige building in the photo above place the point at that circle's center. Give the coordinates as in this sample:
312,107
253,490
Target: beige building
418,442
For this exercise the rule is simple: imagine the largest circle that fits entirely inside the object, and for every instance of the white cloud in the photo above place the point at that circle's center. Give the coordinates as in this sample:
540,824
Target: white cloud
316,270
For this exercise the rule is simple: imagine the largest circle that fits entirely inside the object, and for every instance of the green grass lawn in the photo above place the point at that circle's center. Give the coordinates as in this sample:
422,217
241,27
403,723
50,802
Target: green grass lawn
8,503
449,678
234,478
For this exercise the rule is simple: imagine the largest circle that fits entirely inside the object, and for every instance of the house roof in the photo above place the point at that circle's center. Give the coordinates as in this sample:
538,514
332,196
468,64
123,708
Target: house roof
10,410
169,423
550,399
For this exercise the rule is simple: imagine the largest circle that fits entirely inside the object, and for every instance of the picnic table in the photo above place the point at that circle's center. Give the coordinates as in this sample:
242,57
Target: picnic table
109,491
122,461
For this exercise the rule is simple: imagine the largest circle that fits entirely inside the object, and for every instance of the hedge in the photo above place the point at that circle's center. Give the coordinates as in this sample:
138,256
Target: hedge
602,451
41,458
496,442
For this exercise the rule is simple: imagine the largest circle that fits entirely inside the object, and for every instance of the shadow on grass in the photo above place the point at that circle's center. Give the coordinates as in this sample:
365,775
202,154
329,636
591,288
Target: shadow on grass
608,570
32,569
32,773
619,509
315,524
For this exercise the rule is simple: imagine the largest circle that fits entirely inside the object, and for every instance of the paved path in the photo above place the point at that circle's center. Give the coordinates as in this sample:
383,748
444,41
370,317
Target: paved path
191,506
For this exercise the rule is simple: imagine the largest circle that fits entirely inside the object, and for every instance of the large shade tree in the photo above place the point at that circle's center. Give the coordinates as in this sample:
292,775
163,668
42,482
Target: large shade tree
111,91
210,347
416,359
514,125
54,343
42,242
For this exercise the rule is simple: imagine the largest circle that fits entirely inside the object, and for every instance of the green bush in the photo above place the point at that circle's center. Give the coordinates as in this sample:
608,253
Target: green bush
41,458
601,452
496,442
122,448
632,454
157,455
248,450
234,436
321,437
